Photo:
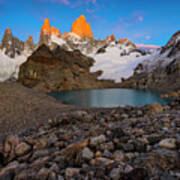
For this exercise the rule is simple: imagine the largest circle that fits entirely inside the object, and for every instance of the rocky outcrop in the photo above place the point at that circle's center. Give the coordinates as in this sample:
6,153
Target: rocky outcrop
126,42
59,70
10,45
29,45
82,28
111,38
47,31
172,43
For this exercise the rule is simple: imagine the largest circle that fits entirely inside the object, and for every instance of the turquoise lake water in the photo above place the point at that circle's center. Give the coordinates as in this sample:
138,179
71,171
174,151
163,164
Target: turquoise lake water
110,97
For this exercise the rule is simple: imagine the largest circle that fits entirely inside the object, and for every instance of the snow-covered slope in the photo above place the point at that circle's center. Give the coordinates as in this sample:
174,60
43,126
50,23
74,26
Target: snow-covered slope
114,65
9,68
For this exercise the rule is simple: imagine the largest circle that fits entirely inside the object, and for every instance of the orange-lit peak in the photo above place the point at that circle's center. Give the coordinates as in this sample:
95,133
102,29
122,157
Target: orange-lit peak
30,38
82,28
46,28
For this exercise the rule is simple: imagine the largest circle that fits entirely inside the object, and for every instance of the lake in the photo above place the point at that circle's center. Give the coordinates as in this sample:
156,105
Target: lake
110,97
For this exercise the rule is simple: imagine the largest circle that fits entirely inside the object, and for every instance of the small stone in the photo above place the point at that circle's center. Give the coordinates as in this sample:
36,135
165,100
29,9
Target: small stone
98,140
119,156
115,174
22,149
43,173
9,147
155,108
139,113
98,154
103,162
168,143
109,146
10,168
128,169
124,116
41,144
60,177
108,133
87,154
70,172
128,147
135,174
107,154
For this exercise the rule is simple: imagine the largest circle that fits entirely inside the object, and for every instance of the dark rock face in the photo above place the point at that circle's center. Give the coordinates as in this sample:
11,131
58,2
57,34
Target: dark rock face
172,43
11,45
59,70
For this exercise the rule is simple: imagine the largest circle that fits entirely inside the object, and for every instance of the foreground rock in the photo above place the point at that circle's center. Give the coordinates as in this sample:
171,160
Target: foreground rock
59,69
118,143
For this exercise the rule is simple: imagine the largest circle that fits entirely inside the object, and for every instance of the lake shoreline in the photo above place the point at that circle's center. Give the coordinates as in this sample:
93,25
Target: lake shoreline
63,141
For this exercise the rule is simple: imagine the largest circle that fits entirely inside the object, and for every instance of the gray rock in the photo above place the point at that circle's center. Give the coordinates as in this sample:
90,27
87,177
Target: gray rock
70,172
168,143
115,174
98,140
87,154
22,149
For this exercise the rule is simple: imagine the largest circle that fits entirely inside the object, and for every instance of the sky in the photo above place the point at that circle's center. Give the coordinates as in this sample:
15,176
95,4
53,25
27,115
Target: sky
141,21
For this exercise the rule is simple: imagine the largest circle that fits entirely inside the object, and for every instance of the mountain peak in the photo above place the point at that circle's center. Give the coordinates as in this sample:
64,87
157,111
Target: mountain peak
30,38
81,27
46,28
47,31
126,42
8,30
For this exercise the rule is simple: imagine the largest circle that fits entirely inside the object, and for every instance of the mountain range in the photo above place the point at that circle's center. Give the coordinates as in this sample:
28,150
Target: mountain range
118,60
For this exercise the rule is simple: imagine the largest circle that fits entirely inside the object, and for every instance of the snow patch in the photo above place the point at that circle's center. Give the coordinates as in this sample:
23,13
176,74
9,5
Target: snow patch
58,40
9,68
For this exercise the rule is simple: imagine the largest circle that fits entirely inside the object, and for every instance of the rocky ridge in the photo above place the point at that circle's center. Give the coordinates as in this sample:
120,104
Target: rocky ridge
123,143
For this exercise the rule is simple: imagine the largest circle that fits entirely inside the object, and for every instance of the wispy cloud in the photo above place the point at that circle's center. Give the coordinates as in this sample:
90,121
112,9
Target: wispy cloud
131,20
65,2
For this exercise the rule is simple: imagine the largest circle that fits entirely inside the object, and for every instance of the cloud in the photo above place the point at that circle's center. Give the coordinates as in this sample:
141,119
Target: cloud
148,37
64,2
